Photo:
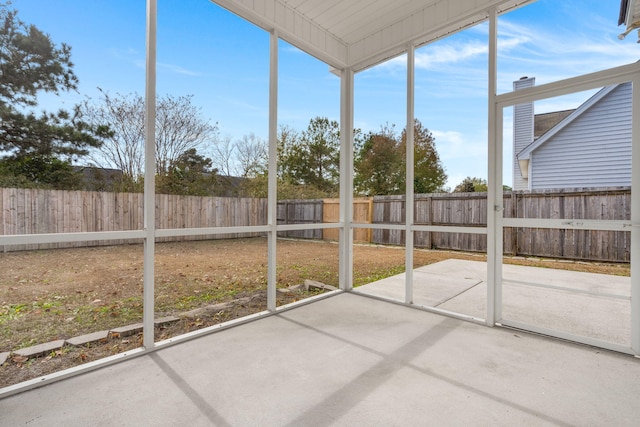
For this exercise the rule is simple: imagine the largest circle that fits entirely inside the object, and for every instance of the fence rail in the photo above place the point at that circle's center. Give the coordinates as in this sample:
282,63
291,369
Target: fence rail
32,211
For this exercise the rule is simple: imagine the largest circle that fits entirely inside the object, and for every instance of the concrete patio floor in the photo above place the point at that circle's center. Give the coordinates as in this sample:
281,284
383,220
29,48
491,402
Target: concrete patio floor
348,360
586,304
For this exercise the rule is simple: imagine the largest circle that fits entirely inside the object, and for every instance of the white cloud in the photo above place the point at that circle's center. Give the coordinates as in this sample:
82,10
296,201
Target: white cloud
162,66
172,68
242,106
451,137
454,145
450,53
443,53
117,53
555,53
547,52
462,155
509,43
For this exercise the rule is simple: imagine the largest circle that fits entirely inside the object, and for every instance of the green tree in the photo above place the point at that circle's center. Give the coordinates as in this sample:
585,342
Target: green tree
31,62
308,162
379,164
62,134
38,171
429,174
287,139
291,161
190,174
381,167
314,160
471,185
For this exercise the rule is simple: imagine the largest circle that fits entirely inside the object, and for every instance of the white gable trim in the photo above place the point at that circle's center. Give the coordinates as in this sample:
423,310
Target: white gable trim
526,153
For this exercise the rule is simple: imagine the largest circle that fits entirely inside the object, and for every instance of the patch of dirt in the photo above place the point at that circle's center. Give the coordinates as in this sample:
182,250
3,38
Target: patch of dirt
18,369
58,294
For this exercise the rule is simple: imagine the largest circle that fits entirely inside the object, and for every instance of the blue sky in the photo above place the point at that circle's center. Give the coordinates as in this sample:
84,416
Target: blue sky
224,61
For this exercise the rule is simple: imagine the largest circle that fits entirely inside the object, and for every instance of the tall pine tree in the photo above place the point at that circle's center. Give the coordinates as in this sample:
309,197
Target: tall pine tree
30,62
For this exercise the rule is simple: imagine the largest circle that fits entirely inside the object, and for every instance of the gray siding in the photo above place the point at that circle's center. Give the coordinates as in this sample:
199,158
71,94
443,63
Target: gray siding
522,131
592,151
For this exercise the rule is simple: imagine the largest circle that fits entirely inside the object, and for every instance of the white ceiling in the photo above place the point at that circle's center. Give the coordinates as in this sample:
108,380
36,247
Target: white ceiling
630,15
632,11
362,33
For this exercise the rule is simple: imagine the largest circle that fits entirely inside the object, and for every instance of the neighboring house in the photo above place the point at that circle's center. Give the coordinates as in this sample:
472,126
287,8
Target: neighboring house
99,179
582,148
230,186
104,179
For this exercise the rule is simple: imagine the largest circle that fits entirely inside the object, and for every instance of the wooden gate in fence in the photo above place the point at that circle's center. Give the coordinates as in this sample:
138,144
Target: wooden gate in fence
362,213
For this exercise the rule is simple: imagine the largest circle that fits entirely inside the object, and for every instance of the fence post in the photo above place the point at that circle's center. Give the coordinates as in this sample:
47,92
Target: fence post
429,222
514,214
370,220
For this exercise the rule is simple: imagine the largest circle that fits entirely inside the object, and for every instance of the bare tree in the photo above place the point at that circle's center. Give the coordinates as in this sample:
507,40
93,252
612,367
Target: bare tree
245,157
180,127
124,149
223,156
251,153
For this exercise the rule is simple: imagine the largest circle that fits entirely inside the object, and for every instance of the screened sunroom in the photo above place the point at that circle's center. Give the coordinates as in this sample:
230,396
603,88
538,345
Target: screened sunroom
465,340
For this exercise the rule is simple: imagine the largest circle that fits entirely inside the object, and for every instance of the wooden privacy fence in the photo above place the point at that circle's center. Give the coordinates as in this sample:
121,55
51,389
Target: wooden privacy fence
456,209
300,212
470,209
318,211
603,204
31,211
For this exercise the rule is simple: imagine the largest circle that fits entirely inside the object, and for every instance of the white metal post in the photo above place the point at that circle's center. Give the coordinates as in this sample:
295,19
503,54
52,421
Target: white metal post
410,174
635,216
494,190
272,195
346,179
148,302
498,224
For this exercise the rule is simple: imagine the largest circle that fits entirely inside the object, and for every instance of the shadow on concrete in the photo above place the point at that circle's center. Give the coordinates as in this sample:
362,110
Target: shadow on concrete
343,400
203,406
